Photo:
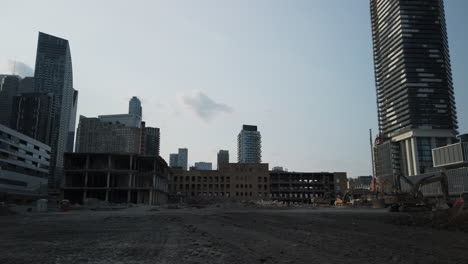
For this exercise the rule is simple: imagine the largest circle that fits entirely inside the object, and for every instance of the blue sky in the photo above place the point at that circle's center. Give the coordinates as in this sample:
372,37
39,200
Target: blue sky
302,71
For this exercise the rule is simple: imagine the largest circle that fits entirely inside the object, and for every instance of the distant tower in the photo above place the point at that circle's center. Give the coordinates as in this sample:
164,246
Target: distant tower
152,139
173,160
249,145
183,158
134,107
223,157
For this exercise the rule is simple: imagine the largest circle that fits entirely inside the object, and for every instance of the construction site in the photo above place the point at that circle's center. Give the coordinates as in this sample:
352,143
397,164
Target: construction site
295,218
232,233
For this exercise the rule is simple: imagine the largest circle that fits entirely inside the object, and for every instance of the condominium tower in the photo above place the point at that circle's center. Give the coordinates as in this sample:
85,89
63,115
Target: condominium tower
415,98
223,157
249,145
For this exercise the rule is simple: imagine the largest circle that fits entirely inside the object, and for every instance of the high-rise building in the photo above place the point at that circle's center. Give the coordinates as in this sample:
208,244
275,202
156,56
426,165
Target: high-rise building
182,158
203,165
53,74
249,145
9,87
72,128
134,107
223,157
173,160
31,115
416,107
152,140
97,136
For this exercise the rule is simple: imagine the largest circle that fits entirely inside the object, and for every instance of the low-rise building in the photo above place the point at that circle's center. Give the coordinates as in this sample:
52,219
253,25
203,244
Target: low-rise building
302,187
245,181
116,178
253,181
24,165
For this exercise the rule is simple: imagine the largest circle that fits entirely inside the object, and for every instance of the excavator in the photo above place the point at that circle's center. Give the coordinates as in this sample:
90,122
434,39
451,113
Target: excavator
412,200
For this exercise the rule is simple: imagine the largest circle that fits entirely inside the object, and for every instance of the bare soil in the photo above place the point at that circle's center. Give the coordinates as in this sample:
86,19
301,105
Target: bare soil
220,235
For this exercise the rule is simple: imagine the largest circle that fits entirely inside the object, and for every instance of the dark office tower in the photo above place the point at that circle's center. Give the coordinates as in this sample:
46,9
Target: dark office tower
249,145
30,115
53,74
223,157
26,85
152,139
9,86
416,107
72,128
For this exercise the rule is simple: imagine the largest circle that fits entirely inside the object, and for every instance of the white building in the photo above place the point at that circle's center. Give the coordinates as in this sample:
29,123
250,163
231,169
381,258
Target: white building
24,165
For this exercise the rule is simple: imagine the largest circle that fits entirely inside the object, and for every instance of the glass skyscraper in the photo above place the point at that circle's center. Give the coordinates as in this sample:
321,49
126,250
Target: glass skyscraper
249,145
53,74
415,98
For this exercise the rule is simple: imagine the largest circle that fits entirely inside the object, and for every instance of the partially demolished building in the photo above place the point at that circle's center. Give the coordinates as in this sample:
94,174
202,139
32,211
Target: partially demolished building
116,178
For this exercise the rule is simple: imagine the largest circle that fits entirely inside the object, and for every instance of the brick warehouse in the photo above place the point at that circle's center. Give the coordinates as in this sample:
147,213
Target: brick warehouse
253,181
116,178
231,180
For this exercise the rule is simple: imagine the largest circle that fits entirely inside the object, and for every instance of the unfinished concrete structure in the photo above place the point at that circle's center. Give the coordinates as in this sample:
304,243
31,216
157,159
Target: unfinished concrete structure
232,180
116,178
303,186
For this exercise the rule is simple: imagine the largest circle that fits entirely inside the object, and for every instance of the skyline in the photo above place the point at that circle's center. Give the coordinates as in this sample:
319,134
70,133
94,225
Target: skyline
220,112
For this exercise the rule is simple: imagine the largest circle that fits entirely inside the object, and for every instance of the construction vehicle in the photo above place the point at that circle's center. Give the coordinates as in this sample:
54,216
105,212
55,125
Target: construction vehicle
345,200
326,199
413,200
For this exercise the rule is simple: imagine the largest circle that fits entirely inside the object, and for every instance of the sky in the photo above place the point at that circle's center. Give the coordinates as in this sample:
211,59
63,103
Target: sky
301,70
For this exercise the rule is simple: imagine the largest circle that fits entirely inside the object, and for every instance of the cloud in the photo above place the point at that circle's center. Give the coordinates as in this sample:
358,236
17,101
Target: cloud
9,66
202,105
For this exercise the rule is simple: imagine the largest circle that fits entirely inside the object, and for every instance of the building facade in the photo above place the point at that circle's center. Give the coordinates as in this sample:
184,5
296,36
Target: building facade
203,165
24,165
53,74
72,127
241,181
415,99
253,181
173,160
152,141
452,156
303,187
129,120
116,178
134,107
9,87
249,145
97,136
223,157
31,115
182,158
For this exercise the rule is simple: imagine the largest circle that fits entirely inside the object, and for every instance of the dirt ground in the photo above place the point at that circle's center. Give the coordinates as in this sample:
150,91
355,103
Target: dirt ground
217,235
